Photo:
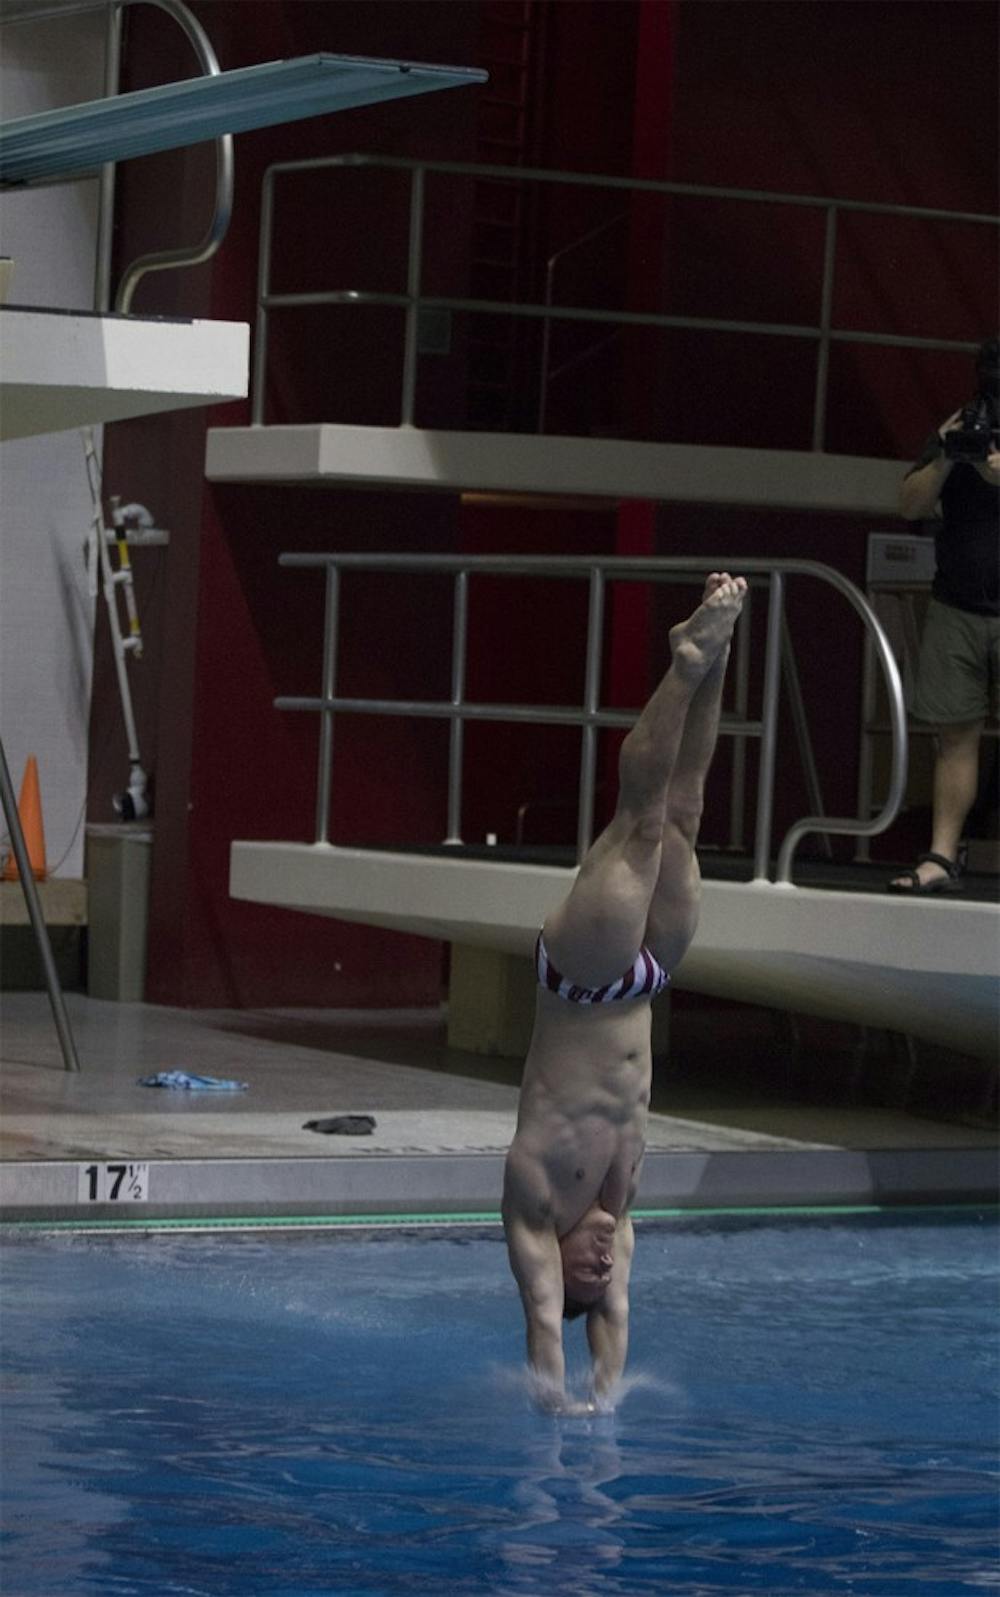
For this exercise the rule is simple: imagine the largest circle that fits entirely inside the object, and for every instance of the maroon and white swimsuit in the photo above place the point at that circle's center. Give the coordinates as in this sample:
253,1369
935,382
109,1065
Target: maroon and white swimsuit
644,979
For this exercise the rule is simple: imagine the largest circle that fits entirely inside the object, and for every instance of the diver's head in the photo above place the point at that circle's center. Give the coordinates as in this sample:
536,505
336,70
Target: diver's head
588,1258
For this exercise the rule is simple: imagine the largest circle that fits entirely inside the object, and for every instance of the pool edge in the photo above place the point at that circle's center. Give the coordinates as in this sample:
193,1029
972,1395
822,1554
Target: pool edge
465,1188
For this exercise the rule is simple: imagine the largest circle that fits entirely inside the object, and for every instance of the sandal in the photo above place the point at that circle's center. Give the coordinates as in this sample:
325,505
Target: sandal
908,882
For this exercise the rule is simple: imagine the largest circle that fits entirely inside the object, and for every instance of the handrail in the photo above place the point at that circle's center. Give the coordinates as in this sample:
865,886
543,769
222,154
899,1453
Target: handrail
824,334
649,185
597,571
194,254
553,261
157,260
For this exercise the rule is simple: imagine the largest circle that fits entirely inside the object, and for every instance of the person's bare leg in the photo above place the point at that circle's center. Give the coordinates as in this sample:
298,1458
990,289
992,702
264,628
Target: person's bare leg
956,778
686,790
666,739
599,928
673,911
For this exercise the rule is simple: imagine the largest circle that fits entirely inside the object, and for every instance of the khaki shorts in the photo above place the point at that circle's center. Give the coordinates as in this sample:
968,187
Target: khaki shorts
959,666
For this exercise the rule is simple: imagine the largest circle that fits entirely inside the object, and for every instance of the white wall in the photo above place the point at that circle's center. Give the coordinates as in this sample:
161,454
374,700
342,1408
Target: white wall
46,613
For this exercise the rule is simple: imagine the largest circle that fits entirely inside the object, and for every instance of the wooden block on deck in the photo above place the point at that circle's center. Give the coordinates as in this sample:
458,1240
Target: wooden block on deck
491,1001
63,901
65,910
491,1004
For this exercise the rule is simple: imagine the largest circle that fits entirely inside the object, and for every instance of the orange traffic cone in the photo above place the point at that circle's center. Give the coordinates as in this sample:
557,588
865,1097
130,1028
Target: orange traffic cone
29,808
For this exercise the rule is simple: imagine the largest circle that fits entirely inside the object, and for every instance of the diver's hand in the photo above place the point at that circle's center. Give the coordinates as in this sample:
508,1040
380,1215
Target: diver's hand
553,1400
572,1408
989,469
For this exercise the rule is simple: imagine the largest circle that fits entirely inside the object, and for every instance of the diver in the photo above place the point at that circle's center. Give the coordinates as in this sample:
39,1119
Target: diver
603,954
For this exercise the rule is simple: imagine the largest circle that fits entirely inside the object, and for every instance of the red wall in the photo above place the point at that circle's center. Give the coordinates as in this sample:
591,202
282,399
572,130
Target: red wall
891,103
887,103
236,631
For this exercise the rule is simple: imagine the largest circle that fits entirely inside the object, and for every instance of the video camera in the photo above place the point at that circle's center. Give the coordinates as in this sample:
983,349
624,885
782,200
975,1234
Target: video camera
977,433
978,430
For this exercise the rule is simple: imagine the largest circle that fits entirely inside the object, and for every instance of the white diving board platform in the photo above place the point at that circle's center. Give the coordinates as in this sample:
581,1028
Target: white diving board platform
927,968
328,454
65,369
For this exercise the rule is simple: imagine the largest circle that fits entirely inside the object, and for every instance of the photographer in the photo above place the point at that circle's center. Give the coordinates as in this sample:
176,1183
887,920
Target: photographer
956,687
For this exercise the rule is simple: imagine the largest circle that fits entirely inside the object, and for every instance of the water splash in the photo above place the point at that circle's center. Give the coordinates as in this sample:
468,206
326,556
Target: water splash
518,1380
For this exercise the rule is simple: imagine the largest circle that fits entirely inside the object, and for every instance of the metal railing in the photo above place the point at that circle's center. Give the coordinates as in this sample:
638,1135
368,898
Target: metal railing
589,716
218,226
413,301
548,373
208,61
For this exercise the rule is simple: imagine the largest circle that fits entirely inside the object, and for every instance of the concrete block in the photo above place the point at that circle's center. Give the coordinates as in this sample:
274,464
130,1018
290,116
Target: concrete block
118,865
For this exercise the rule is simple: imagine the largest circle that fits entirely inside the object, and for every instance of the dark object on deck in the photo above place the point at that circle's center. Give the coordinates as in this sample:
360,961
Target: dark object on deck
343,1125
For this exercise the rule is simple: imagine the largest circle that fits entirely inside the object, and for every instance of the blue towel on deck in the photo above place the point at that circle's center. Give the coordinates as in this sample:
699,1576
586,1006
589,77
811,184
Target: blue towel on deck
180,1078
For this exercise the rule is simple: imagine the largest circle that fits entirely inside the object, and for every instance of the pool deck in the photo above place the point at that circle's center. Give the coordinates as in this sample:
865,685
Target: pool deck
771,1125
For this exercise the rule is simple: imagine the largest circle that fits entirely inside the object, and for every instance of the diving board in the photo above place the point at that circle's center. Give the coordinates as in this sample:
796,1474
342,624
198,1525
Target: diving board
927,968
74,140
342,456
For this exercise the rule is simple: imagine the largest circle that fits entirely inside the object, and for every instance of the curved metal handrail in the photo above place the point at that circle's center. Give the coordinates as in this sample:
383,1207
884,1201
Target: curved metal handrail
553,261
598,570
157,260
192,255
897,718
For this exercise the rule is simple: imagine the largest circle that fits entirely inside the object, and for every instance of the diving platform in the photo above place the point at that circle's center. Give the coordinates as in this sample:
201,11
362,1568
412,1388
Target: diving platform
927,968
326,454
67,369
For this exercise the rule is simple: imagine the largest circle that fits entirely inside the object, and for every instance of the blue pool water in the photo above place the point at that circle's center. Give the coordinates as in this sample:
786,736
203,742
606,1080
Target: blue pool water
811,1408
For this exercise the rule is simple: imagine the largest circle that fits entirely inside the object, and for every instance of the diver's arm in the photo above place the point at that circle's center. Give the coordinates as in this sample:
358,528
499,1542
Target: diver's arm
607,1333
536,1264
607,1321
545,1355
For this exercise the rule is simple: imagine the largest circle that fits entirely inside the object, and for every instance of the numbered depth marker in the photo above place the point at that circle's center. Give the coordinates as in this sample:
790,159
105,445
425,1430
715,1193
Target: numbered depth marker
113,1183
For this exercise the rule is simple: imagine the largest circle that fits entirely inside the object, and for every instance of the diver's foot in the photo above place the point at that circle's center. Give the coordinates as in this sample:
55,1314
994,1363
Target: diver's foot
696,643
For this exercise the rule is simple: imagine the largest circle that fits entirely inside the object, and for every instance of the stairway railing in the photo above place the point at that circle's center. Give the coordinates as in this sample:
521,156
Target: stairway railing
589,716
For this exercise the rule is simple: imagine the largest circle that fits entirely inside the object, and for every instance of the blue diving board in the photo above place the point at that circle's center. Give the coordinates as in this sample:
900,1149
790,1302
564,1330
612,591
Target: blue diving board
79,139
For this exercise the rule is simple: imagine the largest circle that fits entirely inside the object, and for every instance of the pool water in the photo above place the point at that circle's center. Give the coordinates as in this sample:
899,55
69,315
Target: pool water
811,1407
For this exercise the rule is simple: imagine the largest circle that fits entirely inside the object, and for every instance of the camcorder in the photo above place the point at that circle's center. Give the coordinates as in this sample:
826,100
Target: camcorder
977,433
978,430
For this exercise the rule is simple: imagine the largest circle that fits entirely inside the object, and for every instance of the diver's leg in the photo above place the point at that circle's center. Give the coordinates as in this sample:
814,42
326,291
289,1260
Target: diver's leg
673,910
597,931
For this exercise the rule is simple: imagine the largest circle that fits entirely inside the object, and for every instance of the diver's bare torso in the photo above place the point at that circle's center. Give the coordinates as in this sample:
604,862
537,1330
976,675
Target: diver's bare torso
581,1128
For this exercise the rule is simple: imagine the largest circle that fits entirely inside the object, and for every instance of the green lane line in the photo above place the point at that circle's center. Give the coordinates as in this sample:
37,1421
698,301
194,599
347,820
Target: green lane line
247,1222
485,1217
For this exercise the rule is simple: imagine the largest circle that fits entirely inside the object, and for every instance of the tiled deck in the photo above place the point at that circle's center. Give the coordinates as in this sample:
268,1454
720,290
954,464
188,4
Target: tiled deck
443,1118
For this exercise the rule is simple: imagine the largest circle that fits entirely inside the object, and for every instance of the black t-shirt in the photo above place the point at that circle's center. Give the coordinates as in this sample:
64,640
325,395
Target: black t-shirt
967,539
